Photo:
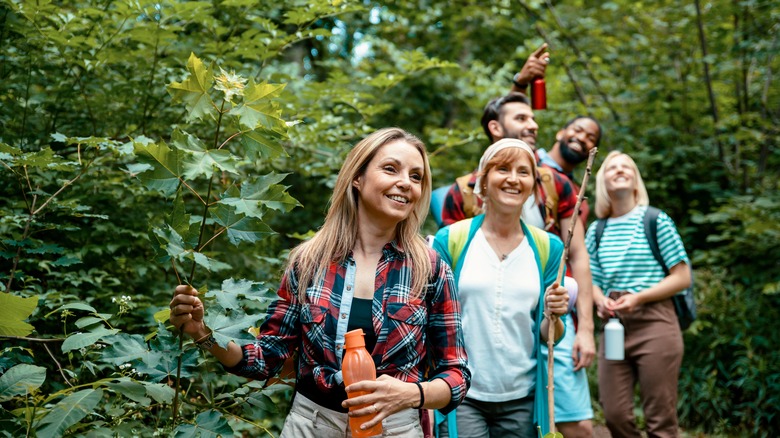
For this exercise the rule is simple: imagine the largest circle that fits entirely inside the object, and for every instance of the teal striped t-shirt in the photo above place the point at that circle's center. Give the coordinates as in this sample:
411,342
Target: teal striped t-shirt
625,262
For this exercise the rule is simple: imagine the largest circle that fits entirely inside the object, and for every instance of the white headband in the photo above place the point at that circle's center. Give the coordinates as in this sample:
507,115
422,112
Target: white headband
495,148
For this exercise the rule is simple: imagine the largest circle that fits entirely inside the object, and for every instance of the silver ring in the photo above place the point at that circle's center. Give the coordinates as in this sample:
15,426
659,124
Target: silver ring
375,409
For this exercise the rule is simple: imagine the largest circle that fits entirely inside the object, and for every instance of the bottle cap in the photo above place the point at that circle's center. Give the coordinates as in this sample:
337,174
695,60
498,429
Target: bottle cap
354,339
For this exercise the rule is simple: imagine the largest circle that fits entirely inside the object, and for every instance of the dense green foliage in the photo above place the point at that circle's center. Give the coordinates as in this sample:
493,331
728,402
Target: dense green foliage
143,144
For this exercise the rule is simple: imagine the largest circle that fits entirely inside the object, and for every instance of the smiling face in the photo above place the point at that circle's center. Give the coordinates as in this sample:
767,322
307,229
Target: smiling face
577,139
509,182
516,120
391,184
620,175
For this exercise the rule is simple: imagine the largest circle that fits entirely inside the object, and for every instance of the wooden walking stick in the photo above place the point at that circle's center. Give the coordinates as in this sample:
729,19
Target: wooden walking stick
561,267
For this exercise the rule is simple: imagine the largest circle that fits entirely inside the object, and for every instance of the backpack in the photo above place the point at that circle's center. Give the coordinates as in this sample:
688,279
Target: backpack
546,182
684,303
459,235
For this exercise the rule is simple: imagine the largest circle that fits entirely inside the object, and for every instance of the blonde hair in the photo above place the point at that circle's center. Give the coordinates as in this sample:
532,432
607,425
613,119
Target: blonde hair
337,237
603,201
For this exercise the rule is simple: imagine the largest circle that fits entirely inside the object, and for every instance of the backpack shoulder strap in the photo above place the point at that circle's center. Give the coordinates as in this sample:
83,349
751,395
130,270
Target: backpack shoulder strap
542,241
547,181
651,230
470,204
601,224
456,240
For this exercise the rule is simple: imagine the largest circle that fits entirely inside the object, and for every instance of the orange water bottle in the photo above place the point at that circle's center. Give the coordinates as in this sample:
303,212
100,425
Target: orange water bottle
357,366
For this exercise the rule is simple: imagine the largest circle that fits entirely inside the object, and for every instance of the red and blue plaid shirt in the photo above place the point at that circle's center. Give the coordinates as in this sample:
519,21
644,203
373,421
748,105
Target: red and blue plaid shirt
417,338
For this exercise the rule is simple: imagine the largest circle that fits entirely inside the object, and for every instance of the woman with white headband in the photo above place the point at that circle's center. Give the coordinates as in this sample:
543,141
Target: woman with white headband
505,271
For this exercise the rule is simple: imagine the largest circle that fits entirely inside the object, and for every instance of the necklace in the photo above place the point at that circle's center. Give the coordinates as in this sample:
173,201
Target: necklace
493,241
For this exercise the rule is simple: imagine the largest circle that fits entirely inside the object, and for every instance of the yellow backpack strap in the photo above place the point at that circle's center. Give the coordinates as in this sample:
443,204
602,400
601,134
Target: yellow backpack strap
542,241
470,205
459,233
547,180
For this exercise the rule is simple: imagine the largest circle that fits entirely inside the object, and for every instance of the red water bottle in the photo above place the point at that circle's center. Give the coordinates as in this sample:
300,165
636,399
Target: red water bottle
538,94
357,366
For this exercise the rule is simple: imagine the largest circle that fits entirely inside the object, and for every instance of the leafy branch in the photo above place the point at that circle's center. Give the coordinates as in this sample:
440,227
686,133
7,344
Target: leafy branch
250,111
558,279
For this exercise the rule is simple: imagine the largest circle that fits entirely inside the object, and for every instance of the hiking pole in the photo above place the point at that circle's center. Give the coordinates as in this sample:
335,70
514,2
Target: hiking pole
561,267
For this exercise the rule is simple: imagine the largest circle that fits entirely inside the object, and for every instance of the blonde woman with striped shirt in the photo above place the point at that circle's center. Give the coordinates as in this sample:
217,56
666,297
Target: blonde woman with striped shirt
630,284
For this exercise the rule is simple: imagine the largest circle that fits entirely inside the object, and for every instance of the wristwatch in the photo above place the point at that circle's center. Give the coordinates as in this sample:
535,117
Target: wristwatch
518,84
207,343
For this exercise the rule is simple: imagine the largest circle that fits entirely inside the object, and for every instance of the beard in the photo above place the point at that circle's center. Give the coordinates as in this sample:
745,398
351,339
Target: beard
571,156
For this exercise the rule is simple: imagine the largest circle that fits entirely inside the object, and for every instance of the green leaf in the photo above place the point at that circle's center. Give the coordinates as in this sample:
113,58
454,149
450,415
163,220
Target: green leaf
266,142
13,311
258,110
182,223
42,158
167,166
20,380
158,363
88,321
7,152
160,392
46,249
133,390
239,227
229,296
68,412
125,349
81,340
66,261
198,159
162,360
205,163
169,243
231,326
259,404
278,199
209,424
162,315
73,306
266,191
193,91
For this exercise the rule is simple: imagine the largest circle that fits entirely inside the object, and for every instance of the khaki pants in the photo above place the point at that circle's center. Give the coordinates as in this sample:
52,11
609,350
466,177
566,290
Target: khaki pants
654,351
310,420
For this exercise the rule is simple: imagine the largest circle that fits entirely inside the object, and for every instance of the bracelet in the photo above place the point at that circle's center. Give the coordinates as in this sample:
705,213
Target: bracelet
201,339
422,396
518,84
208,343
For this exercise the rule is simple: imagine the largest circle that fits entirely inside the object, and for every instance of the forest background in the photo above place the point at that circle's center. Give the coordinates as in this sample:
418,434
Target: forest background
143,144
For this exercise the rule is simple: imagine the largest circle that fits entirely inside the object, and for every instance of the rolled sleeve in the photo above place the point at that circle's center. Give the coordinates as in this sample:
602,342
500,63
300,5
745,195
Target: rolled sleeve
277,338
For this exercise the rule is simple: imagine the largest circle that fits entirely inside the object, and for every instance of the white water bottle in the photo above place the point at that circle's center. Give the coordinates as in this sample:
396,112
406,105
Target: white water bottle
614,338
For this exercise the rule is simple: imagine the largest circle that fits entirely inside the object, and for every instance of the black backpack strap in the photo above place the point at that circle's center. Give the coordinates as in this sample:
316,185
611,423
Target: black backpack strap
600,225
651,231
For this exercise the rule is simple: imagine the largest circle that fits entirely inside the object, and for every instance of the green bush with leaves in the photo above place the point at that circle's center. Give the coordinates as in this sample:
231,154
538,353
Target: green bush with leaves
227,199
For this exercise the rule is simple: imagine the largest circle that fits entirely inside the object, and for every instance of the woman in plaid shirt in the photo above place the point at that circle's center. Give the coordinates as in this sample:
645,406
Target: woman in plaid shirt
369,268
